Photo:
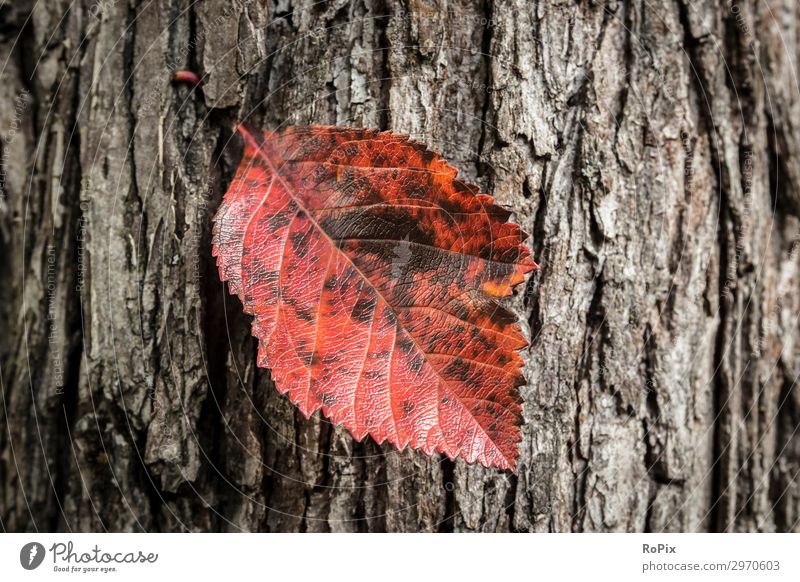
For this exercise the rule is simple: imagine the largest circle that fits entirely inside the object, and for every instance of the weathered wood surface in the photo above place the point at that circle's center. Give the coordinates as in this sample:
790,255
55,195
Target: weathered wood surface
653,150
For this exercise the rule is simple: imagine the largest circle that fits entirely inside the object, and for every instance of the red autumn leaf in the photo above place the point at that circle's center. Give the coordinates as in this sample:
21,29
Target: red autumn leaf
372,273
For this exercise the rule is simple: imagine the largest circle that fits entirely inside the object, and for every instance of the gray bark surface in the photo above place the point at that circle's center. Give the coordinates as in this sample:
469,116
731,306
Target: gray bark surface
652,149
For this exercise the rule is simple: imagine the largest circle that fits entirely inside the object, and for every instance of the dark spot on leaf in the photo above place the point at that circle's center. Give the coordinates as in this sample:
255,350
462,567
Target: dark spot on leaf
405,345
389,315
459,369
304,314
279,221
299,243
363,309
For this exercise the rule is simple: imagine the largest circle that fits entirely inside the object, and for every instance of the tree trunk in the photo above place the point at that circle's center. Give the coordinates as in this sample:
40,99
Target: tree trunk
652,150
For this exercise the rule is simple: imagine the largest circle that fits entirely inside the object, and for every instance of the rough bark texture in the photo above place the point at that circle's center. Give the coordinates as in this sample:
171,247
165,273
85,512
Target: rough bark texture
652,148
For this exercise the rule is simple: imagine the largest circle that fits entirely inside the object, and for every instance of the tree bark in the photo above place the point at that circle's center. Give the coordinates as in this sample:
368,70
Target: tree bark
652,150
